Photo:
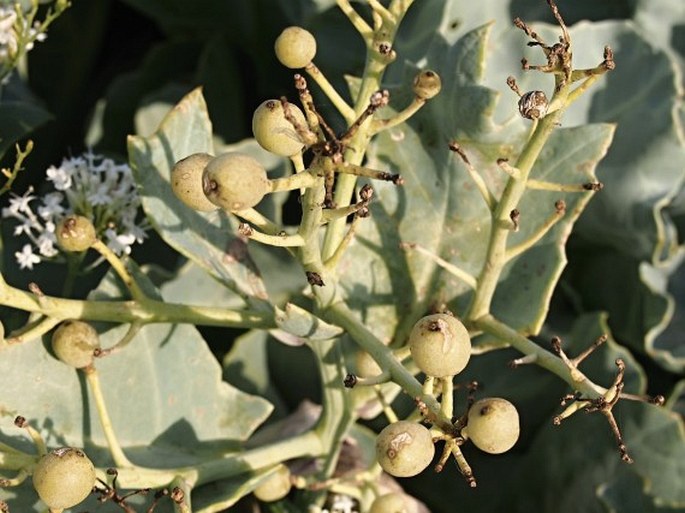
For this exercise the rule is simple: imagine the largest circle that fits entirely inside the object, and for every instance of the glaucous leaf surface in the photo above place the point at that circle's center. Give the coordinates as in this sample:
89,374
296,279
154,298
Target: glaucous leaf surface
209,238
439,207
168,404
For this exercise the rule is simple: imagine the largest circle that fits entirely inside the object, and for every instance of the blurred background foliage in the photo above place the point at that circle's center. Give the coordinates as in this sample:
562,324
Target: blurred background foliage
107,62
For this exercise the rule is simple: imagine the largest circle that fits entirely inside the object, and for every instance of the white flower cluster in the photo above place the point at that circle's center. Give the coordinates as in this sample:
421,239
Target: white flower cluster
12,27
89,185
8,37
339,504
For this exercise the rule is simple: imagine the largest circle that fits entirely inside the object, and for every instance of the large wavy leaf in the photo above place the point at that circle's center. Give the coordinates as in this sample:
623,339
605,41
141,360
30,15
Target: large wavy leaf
206,238
164,393
439,207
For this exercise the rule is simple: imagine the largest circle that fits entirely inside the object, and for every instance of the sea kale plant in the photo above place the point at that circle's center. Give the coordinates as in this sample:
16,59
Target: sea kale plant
366,305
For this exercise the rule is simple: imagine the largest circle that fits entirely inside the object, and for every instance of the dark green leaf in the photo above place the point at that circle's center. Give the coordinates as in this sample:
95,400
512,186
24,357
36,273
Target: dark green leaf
18,120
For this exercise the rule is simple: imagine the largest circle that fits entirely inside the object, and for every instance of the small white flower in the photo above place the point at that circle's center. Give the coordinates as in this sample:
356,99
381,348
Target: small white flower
342,504
52,205
19,204
26,226
8,37
26,257
60,177
119,243
46,243
101,196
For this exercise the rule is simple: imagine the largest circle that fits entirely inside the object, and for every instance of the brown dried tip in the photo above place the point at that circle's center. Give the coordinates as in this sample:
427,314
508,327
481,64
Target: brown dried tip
366,193
609,63
350,381
20,421
454,146
556,344
658,400
314,278
177,495
35,289
379,99
569,397
245,229
511,82
593,186
421,406
435,326
533,105
300,82
515,216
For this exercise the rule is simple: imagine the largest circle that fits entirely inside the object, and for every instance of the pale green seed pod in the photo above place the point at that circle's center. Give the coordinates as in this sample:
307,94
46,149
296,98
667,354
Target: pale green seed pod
391,503
274,132
404,448
440,345
74,343
365,365
493,425
75,233
186,182
234,181
276,486
64,477
295,47
427,84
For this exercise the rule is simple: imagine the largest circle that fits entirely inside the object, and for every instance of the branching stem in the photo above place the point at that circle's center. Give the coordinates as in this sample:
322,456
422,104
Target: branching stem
147,311
543,357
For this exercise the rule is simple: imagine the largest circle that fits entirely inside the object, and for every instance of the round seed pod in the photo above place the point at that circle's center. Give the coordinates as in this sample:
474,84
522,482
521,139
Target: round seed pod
391,503
75,233
276,486
74,342
404,448
234,181
274,132
295,47
366,366
186,181
64,477
493,425
440,345
427,84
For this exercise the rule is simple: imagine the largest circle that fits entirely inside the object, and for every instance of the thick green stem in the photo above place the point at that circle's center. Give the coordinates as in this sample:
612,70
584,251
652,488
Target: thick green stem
341,315
495,259
305,445
542,357
336,417
376,62
147,311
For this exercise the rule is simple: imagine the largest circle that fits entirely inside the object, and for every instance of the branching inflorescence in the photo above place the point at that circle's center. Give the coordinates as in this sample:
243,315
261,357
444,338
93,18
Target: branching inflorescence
326,167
